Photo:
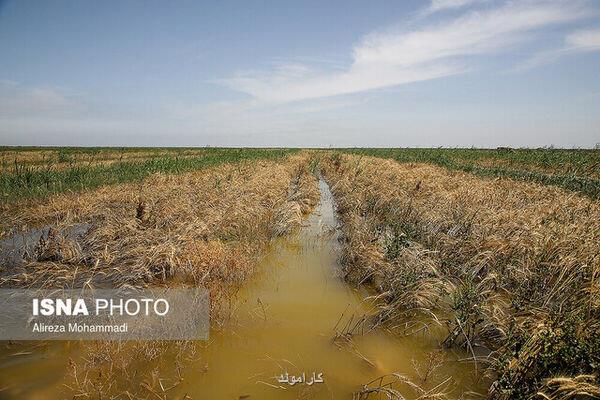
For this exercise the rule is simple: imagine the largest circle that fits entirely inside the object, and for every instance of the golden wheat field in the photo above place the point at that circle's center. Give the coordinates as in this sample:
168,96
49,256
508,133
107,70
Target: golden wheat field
376,278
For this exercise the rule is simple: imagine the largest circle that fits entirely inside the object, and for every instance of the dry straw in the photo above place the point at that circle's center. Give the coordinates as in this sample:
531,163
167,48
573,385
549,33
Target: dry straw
204,228
510,266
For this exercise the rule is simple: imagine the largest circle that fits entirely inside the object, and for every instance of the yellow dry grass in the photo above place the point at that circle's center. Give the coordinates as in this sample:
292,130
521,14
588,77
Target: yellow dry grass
43,157
513,266
163,228
205,228
579,387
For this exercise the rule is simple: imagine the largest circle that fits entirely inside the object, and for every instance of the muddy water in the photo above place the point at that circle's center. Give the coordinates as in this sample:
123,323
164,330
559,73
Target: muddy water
282,328
286,322
14,249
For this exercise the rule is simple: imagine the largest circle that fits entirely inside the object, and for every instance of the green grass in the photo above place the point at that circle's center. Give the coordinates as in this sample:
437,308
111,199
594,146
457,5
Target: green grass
576,170
27,181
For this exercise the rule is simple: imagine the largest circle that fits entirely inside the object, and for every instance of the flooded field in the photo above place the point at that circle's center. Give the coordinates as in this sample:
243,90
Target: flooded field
286,324
388,284
300,200
279,342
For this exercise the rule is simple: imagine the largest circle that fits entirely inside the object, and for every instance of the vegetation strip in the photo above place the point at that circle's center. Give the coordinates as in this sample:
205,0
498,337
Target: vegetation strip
27,180
575,170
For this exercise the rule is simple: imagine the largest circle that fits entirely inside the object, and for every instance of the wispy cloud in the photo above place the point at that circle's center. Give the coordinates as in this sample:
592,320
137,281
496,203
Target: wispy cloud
581,41
18,100
443,5
394,57
584,40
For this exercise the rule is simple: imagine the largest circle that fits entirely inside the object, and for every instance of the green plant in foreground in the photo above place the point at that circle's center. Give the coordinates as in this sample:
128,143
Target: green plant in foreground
568,345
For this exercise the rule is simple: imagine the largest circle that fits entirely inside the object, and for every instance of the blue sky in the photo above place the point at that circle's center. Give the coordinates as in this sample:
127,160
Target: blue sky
348,73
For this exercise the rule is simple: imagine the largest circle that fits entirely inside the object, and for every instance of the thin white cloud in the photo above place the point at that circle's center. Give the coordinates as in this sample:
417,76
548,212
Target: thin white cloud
398,57
17,100
581,41
443,5
584,40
